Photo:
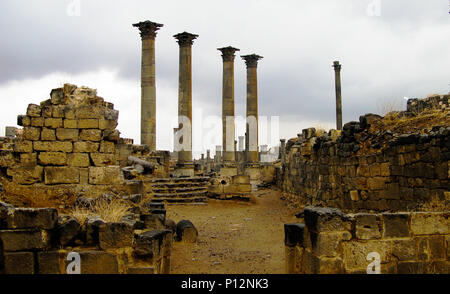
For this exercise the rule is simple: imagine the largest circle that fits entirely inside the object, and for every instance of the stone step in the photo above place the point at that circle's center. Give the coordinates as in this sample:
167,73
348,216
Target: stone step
180,195
196,200
178,189
178,180
180,184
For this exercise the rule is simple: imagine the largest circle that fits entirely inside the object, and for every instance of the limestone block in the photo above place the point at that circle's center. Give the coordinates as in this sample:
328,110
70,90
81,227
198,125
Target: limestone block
52,158
186,231
106,124
78,159
53,146
84,175
68,229
92,225
111,135
32,134
23,146
355,253
69,113
50,262
23,121
153,221
88,123
111,114
47,111
115,235
377,183
366,226
395,225
70,123
328,243
420,267
148,243
404,249
107,147
61,175
87,111
108,175
58,111
437,247
7,158
48,134
91,135
98,262
319,219
82,147
26,175
57,96
423,223
67,134
20,240
53,123
19,263
103,159
34,110
37,121
27,218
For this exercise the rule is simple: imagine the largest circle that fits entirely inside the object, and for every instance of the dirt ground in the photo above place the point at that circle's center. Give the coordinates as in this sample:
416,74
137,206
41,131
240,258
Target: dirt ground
234,237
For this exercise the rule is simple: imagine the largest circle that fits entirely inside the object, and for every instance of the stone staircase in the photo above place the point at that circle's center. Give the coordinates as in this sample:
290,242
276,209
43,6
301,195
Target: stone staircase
180,190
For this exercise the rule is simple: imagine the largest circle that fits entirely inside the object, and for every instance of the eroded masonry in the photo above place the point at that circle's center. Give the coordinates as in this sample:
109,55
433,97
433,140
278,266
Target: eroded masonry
71,188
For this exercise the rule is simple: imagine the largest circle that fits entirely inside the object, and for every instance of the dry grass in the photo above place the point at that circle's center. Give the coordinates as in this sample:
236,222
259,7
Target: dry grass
399,123
388,106
109,211
320,129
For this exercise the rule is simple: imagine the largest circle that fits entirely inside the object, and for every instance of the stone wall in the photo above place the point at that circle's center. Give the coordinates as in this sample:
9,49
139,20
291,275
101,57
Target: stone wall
331,242
38,241
432,102
360,169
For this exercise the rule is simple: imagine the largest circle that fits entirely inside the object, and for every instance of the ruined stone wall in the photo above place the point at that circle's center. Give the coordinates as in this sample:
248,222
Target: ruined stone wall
433,102
330,242
38,241
363,170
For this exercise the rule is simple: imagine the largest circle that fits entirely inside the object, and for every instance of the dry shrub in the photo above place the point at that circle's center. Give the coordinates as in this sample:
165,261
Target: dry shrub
387,106
320,129
109,211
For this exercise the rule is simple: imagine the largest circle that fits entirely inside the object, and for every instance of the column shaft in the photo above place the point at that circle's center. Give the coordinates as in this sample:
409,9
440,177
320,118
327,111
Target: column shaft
337,71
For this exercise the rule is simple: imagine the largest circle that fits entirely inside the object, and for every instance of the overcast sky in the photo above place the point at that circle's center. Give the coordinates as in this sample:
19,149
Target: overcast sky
388,50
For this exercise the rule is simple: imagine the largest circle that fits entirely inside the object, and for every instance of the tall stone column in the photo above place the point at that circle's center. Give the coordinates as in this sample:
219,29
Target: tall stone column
185,40
228,127
148,86
337,74
252,107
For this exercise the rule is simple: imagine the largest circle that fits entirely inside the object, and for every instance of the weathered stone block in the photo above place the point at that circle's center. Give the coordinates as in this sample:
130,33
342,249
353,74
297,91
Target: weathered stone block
414,267
57,96
376,183
22,146
366,226
58,111
32,134
105,124
29,159
423,223
7,158
88,123
48,134
404,249
61,175
152,221
52,158
98,262
53,146
293,234
85,111
107,147
67,134
85,147
111,135
70,123
437,247
23,121
37,121
50,262
78,159
328,243
20,240
115,235
355,253
108,175
19,263
92,225
186,231
91,135
31,218
68,230
26,175
149,243
53,123
103,159
395,225
34,110
320,219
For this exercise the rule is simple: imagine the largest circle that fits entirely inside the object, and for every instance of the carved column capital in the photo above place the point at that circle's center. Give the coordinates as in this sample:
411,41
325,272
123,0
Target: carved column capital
251,60
185,38
228,53
148,29
337,66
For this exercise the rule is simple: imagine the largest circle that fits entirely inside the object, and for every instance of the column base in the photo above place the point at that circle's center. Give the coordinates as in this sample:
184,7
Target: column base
184,170
228,169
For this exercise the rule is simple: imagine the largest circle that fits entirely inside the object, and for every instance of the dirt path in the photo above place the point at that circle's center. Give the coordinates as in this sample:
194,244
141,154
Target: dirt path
234,237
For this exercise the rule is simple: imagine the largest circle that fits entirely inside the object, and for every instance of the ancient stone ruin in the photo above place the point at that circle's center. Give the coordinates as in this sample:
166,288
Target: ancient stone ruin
73,190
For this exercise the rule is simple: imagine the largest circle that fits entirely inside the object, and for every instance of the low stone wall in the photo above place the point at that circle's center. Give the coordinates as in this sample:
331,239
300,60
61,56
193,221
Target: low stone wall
359,170
39,241
331,242
433,102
